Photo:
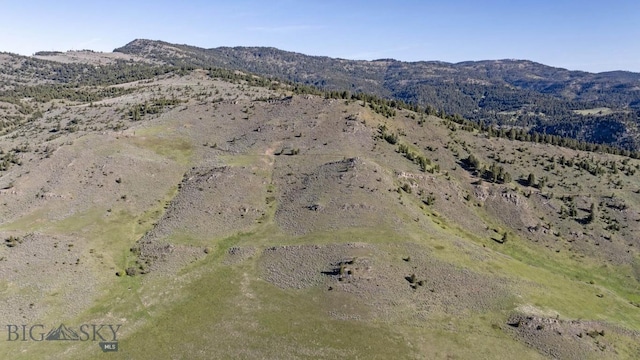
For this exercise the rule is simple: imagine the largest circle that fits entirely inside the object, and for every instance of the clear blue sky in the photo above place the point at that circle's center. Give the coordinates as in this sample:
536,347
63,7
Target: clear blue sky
575,34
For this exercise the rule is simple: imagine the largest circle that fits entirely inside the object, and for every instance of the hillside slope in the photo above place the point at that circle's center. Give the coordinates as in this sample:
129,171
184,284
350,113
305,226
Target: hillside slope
599,107
228,217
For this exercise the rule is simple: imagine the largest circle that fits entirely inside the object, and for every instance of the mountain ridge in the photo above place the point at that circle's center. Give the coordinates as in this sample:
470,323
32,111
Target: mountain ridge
504,92
141,42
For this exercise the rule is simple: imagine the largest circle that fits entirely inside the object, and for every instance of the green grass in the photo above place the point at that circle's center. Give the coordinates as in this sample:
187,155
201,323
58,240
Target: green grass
212,310
549,280
216,319
165,143
556,282
477,336
111,236
561,284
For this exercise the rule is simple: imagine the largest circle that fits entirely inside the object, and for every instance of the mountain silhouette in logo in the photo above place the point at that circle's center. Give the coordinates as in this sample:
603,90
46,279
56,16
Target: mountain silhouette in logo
62,333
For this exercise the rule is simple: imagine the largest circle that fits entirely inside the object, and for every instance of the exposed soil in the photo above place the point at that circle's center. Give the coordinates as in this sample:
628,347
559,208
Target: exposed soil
565,339
417,285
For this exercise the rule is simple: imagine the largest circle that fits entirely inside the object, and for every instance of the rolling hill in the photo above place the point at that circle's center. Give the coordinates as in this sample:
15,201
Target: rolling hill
214,213
601,108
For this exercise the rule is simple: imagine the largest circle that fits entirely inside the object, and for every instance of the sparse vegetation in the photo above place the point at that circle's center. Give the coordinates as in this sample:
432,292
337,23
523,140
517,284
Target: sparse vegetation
266,200
12,241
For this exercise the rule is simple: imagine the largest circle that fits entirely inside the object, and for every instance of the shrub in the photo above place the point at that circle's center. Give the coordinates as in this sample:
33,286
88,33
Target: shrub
12,241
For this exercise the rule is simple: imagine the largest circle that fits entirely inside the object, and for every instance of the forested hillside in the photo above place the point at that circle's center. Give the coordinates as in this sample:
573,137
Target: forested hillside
601,108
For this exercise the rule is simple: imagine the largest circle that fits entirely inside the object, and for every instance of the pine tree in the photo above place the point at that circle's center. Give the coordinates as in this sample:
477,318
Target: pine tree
592,213
473,162
531,180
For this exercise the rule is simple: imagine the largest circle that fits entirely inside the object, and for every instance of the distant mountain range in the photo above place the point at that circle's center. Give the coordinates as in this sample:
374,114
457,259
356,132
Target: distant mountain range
214,213
601,108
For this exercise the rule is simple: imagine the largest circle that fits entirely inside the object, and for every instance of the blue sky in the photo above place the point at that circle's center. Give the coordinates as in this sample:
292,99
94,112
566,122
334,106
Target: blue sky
579,35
